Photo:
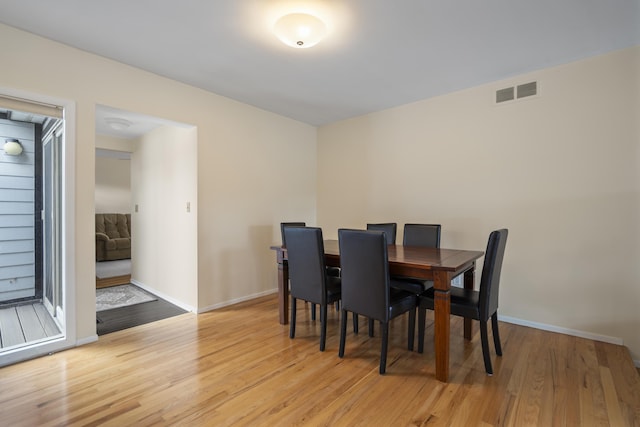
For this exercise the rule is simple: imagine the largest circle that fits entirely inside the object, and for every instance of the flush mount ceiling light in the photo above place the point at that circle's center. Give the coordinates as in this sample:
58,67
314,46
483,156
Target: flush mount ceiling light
117,124
300,30
12,147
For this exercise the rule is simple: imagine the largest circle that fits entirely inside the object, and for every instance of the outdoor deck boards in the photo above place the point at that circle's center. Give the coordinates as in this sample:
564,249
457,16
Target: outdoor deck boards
32,329
10,329
50,327
25,323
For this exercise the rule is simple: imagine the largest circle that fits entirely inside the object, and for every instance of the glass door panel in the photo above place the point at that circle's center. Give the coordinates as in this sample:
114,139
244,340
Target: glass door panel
52,292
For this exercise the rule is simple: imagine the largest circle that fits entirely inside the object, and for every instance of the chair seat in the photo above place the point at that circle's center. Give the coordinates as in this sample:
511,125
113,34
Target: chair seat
409,284
401,302
464,302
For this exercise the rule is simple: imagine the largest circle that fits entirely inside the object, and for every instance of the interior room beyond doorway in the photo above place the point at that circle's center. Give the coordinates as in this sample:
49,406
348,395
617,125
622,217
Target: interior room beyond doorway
145,192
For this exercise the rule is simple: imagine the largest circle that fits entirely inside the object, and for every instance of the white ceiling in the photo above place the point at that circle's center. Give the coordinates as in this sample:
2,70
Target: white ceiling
139,124
379,53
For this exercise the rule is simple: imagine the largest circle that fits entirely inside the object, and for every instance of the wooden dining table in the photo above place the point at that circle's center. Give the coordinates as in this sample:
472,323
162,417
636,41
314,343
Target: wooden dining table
438,265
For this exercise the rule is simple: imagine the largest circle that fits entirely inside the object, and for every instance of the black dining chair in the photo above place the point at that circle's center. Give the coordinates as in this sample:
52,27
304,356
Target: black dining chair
308,275
423,235
366,286
479,305
389,229
332,271
284,225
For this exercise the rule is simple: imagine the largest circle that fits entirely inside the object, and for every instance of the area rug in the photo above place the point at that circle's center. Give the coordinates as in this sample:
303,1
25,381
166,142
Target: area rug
121,296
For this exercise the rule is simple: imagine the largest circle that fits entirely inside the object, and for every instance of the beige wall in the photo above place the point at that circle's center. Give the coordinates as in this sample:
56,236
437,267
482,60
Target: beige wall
113,185
113,176
264,174
254,167
164,244
559,170
108,142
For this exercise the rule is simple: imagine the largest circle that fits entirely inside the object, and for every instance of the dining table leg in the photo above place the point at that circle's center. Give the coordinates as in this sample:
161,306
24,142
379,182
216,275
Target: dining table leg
442,325
469,281
283,290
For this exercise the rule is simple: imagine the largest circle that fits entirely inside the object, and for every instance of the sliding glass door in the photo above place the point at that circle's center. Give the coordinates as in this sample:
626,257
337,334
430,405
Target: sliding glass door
50,215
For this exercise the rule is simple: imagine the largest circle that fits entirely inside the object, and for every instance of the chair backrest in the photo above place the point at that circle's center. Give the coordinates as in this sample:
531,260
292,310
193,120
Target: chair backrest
490,281
364,264
284,225
389,229
425,235
305,251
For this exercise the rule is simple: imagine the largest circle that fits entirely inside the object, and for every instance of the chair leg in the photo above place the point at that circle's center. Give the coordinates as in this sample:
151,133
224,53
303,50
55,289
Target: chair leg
384,329
485,347
371,327
355,323
323,326
422,318
496,334
412,329
292,323
343,332
313,311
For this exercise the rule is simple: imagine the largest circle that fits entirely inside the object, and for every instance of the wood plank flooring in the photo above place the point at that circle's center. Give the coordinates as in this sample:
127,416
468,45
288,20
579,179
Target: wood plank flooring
117,319
112,281
237,366
24,324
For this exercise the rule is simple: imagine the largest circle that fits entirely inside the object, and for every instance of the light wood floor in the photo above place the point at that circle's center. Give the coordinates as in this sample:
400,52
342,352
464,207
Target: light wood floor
237,366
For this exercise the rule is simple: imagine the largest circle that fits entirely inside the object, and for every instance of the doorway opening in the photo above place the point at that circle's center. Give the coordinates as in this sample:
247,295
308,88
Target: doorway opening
146,176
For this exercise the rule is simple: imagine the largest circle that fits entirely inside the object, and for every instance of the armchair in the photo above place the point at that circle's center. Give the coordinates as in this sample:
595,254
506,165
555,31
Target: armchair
113,237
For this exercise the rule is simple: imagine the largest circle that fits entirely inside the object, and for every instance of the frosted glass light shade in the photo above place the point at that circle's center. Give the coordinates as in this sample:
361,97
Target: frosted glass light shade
12,147
300,30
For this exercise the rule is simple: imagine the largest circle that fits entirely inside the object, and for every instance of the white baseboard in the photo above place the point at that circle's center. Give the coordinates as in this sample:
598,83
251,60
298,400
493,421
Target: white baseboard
566,331
164,296
237,300
203,309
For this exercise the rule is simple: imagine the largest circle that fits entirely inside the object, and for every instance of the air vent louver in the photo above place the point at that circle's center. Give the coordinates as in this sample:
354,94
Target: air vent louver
527,89
516,92
503,95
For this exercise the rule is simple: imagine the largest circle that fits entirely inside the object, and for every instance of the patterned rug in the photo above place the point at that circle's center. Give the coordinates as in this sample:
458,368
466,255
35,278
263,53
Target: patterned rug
121,296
